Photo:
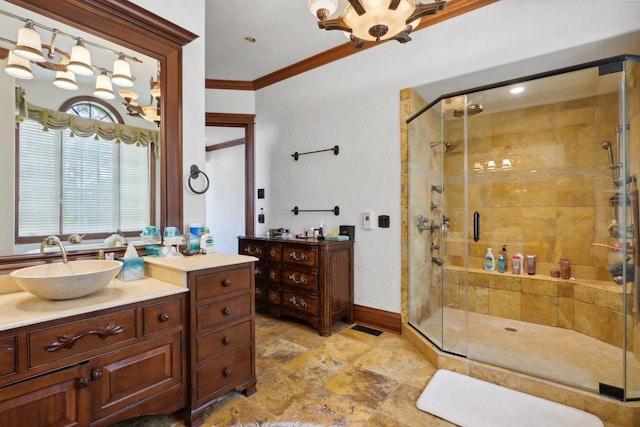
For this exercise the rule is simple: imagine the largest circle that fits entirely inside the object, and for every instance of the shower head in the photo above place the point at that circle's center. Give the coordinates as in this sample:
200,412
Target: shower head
472,110
605,144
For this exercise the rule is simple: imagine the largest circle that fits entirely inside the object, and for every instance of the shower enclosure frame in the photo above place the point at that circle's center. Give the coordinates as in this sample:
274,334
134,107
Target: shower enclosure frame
436,218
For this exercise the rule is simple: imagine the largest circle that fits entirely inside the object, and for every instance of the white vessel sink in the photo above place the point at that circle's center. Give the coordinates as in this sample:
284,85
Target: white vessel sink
59,281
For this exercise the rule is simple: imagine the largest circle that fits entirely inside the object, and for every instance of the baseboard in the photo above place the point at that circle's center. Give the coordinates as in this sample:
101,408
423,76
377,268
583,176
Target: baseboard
385,320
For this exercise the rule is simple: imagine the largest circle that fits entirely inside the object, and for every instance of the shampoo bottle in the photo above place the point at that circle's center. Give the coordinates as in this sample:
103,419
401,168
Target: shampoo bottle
489,260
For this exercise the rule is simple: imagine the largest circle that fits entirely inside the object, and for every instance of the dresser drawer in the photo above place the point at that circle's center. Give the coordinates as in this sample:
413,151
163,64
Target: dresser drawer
261,292
260,272
300,303
300,279
275,296
223,372
275,275
258,250
300,255
223,341
219,313
73,339
223,282
161,316
8,355
274,252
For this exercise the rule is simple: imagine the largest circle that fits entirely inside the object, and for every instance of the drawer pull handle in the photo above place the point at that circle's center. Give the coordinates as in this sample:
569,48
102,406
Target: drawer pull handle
272,275
273,296
301,281
164,317
67,341
258,272
226,311
228,372
295,302
96,374
258,291
272,253
252,251
227,340
83,383
226,283
301,257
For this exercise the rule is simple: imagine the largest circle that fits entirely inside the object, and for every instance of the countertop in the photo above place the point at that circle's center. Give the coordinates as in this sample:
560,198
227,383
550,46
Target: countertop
163,276
22,308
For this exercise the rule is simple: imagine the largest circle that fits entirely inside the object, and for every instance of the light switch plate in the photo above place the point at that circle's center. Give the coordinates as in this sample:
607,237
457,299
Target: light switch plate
367,220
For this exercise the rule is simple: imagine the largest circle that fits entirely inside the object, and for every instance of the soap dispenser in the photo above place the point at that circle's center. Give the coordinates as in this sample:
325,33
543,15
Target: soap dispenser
502,260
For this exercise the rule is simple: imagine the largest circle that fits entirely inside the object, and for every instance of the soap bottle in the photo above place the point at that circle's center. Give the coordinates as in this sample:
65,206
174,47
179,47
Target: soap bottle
206,241
489,260
502,260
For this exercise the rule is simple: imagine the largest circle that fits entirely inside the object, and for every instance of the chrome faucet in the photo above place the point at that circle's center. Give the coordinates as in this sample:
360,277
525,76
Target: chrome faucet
121,234
54,241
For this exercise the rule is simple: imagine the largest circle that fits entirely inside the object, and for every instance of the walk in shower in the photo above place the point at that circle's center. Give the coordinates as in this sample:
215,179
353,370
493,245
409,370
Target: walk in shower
545,165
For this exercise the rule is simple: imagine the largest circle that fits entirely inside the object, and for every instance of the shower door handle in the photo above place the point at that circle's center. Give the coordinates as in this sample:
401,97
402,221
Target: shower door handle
476,226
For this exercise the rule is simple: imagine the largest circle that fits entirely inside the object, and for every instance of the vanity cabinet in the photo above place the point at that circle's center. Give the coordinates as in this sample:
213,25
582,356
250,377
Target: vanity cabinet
311,280
96,368
222,338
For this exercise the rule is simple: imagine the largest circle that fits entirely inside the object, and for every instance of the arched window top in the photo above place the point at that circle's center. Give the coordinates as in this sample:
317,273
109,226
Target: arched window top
92,108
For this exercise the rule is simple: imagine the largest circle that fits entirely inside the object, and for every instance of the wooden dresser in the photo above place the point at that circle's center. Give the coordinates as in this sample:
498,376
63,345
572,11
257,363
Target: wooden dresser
311,280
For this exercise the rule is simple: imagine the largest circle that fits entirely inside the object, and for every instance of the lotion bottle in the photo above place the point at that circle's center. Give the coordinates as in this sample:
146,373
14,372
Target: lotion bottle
502,260
489,260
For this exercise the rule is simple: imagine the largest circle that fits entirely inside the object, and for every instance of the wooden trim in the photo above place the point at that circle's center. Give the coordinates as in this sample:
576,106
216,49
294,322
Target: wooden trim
453,8
228,84
4,53
380,319
229,119
224,145
129,25
246,121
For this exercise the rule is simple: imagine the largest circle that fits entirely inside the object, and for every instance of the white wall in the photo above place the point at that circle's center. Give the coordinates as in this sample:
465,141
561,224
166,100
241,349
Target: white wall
356,106
189,14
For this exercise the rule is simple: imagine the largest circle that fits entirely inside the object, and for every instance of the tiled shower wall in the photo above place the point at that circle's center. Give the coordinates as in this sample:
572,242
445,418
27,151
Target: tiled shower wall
554,201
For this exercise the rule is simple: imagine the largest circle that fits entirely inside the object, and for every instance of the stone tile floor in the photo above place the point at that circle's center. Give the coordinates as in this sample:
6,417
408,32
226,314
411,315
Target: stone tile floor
350,378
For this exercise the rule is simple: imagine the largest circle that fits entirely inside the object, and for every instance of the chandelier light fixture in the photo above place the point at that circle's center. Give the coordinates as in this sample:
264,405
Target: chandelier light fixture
374,20
29,49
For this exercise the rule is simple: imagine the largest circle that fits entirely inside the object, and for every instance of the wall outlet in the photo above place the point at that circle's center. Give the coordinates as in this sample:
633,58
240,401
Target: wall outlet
367,220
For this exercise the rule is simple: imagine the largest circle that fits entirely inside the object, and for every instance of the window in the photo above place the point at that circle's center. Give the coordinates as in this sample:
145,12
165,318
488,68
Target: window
69,184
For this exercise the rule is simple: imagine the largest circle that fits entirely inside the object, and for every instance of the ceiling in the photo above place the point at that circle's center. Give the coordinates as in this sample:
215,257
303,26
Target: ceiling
285,33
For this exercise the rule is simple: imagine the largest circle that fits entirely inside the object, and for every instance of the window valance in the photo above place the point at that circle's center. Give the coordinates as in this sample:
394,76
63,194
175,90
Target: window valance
85,127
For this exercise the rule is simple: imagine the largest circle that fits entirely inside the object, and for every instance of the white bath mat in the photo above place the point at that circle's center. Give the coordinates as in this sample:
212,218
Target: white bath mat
470,402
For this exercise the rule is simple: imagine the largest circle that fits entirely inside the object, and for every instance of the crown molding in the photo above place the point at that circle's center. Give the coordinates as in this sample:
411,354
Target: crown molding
453,8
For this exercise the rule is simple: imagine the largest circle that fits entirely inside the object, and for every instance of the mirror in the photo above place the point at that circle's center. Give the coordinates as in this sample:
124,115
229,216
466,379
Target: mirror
54,173
140,34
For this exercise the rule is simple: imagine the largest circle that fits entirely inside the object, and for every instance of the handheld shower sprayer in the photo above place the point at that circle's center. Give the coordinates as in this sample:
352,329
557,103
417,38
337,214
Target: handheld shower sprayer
606,145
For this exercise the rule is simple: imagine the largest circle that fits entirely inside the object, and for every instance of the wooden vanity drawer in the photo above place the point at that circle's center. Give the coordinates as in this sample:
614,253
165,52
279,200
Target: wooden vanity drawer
158,317
8,356
222,341
223,372
300,255
84,336
300,279
291,301
258,250
222,282
219,313
274,253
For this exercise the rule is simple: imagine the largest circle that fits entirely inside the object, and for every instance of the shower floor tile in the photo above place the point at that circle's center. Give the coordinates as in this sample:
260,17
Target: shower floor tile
556,354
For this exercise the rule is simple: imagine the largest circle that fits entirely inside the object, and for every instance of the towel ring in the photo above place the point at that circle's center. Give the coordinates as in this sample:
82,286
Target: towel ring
195,172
